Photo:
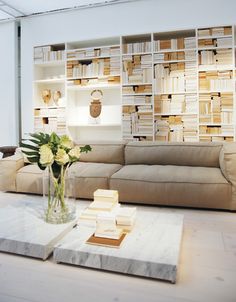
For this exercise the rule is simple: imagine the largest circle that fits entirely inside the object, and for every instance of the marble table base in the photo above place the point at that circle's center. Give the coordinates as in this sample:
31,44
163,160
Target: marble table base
23,230
150,250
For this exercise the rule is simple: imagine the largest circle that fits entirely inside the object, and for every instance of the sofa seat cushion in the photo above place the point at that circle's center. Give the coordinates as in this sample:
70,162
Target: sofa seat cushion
92,176
29,180
172,185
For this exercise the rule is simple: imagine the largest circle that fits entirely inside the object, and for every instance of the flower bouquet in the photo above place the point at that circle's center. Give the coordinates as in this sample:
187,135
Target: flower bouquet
56,154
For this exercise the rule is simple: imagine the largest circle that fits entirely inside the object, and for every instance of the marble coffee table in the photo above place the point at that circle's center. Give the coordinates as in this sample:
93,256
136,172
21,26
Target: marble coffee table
22,229
151,250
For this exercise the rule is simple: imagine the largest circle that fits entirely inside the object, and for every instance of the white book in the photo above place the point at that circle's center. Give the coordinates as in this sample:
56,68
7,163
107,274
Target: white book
126,212
105,193
116,234
102,205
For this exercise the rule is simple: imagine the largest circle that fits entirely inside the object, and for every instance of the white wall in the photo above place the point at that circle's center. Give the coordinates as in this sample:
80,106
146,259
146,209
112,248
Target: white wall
8,103
115,20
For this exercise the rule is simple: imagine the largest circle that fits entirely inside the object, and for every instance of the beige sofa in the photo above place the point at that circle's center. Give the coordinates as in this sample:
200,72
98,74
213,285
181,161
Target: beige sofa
178,174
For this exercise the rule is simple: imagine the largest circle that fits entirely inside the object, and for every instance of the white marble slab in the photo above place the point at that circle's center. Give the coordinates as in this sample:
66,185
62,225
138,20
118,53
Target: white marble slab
22,228
150,250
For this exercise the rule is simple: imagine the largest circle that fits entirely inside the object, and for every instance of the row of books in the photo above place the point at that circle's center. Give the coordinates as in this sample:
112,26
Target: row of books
218,57
217,130
213,138
224,117
46,53
225,99
216,80
137,120
215,31
105,51
137,89
174,56
136,100
175,77
176,128
173,44
175,103
98,67
137,69
174,69
50,124
50,112
215,42
108,80
137,47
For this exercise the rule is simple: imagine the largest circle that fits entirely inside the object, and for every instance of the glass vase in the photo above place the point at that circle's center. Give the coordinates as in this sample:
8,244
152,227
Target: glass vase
59,197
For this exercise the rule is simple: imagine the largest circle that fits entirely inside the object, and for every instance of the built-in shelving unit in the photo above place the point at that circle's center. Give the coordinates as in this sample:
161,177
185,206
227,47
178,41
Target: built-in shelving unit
137,87
168,86
49,75
216,83
175,86
94,65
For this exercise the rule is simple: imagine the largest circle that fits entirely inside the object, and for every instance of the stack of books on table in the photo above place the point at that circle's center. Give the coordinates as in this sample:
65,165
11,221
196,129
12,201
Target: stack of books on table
104,201
106,226
125,218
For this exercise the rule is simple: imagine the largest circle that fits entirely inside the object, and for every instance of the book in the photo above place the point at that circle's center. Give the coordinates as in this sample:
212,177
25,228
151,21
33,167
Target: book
116,243
102,206
108,233
106,195
126,216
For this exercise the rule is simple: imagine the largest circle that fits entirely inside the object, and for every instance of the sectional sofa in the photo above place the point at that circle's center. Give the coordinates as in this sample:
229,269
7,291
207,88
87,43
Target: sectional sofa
177,174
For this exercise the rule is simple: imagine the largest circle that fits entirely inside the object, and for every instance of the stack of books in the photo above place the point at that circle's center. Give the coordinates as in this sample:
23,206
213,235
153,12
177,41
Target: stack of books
137,89
137,69
162,129
219,57
215,31
190,103
104,201
46,53
106,226
137,47
125,218
136,100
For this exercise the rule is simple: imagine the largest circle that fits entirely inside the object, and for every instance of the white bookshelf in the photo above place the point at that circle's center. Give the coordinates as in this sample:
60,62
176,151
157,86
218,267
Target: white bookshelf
140,108
104,53
49,74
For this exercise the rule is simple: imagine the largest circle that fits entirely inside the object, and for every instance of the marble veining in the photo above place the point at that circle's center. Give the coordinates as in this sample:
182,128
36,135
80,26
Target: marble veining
23,230
150,250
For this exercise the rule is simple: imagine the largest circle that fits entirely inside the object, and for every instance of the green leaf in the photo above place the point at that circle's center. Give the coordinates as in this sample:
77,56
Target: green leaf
28,153
41,167
54,138
28,146
34,141
33,159
42,138
85,148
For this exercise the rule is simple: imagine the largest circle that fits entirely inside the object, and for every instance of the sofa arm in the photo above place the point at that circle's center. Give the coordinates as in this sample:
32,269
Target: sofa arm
8,169
228,167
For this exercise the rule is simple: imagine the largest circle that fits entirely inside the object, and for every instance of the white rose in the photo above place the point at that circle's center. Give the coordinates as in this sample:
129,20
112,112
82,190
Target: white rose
75,152
62,157
46,155
66,142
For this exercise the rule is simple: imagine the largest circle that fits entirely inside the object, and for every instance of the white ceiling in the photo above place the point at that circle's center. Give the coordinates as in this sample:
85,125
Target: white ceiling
18,8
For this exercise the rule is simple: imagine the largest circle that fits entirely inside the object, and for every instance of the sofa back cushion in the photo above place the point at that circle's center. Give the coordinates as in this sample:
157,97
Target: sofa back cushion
104,152
181,154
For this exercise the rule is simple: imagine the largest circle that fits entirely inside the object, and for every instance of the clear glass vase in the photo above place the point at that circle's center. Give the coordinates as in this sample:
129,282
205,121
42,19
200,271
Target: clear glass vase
59,197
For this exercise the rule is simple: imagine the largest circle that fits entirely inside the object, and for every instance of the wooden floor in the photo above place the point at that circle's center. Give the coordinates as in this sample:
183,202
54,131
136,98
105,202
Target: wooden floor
207,271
